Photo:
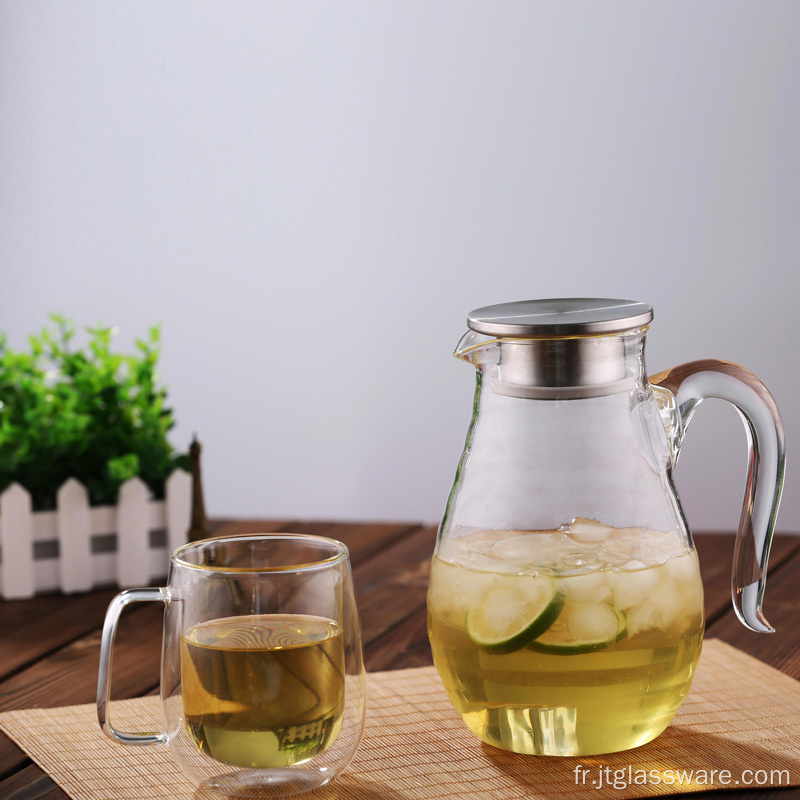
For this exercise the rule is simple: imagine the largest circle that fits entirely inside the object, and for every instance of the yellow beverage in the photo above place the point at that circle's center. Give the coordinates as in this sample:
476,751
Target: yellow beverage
572,642
264,690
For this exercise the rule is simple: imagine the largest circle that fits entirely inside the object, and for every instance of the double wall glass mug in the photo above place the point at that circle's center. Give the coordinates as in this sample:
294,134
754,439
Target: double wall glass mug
262,674
565,601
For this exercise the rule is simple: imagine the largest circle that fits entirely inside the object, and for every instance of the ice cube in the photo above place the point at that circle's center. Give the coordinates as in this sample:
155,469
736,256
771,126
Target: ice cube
448,589
684,569
633,587
592,622
634,564
589,531
692,597
644,617
655,547
532,550
669,601
666,542
487,562
614,557
592,587
582,561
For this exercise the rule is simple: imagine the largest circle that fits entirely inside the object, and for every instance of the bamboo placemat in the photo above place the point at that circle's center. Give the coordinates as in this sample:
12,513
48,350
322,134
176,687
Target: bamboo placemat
740,715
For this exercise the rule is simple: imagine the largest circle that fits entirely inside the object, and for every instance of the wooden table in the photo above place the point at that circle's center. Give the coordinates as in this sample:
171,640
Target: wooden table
49,646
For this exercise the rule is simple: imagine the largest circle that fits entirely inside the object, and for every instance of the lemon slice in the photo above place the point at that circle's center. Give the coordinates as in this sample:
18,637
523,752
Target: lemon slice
582,628
512,612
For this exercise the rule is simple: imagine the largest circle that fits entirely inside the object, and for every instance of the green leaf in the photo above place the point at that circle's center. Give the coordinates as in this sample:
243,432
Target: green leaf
123,468
84,412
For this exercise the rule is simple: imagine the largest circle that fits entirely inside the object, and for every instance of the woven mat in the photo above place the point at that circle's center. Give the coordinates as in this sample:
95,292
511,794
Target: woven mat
740,715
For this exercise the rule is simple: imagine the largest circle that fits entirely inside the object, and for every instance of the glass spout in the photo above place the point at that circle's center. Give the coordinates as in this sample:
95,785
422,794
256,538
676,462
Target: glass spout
471,347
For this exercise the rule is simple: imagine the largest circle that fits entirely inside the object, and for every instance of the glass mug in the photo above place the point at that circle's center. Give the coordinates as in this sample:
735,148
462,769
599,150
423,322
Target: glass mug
262,674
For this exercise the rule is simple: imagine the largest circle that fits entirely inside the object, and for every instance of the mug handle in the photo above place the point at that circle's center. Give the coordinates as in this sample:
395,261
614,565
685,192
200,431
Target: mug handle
687,386
115,609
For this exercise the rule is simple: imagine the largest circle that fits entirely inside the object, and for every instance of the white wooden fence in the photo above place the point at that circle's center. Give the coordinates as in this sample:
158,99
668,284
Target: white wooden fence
76,548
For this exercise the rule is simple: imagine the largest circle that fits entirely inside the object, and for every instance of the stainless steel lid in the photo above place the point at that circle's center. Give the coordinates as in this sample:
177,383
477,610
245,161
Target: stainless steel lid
564,316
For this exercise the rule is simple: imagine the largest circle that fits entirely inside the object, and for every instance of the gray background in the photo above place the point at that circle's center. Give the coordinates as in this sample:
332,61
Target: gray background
311,196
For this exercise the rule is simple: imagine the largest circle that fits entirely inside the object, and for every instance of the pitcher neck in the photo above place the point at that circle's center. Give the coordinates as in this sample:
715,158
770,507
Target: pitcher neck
558,368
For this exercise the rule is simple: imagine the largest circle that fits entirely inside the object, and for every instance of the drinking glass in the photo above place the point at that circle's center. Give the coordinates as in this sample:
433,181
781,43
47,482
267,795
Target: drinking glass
262,674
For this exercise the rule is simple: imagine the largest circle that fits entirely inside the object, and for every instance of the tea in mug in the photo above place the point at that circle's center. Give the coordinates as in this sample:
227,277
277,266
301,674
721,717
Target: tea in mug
264,690
570,642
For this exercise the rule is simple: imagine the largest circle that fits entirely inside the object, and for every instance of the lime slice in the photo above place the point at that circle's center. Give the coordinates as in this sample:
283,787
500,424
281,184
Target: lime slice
512,612
582,628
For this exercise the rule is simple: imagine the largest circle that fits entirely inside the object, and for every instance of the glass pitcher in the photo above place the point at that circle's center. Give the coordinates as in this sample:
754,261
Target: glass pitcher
565,602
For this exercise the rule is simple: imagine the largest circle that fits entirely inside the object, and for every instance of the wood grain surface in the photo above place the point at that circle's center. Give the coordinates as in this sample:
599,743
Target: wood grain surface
49,645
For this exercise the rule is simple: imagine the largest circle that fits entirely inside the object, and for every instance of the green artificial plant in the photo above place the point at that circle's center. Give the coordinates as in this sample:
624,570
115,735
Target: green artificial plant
85,413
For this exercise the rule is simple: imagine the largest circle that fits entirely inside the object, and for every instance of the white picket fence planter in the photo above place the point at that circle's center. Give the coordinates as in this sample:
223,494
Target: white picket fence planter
77,548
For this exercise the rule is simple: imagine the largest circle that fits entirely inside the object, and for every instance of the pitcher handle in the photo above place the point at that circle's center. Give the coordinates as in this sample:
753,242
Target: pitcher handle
691,384
113,613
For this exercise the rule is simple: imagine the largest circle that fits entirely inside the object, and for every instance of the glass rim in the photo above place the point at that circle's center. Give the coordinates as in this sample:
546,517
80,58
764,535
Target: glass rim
341,554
